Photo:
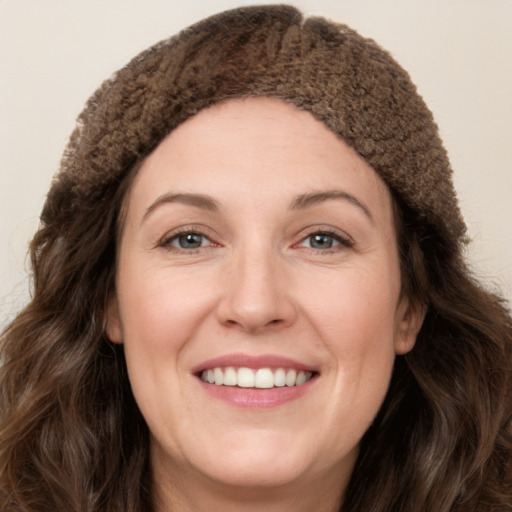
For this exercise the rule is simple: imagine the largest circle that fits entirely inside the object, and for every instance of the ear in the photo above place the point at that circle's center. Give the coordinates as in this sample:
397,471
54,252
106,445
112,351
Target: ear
113,321
409,320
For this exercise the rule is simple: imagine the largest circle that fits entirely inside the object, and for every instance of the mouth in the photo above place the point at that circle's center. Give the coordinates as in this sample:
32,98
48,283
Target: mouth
256,381
256,378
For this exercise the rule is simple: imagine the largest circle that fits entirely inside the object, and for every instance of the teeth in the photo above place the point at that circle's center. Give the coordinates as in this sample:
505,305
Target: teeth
219,376
245,378
291,378
263,378
301,378
279,378
230,377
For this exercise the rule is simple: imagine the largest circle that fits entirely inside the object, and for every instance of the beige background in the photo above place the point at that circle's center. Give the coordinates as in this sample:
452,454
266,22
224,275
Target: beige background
54,53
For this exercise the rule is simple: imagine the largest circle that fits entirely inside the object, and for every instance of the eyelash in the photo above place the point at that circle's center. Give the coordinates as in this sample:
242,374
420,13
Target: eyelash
342,242
167,241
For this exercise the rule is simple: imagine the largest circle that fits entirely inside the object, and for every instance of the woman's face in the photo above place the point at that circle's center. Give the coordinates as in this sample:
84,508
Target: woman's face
258,250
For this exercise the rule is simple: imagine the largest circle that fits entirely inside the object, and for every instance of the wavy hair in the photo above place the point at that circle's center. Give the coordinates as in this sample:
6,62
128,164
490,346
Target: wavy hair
71,435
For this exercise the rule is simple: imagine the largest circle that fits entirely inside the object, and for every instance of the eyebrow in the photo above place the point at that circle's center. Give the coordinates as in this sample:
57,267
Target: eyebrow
306,200
300,202
198,200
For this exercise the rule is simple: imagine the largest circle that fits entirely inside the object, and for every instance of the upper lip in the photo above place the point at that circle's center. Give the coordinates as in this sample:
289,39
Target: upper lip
254,362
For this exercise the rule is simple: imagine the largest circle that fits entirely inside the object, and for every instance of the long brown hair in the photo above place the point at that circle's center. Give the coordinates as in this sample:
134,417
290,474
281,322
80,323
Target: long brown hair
71,435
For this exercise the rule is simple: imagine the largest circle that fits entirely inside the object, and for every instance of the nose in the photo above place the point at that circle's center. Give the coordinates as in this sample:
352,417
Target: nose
256,296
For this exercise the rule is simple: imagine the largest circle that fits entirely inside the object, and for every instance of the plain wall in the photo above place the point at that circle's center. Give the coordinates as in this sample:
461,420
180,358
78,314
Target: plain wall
54,53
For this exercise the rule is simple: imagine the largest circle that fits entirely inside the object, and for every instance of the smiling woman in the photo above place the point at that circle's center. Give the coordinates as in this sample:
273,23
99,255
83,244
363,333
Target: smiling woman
266,285
250,294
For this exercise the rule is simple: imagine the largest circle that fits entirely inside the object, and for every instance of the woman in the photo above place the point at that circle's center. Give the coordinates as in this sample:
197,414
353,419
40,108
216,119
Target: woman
249,293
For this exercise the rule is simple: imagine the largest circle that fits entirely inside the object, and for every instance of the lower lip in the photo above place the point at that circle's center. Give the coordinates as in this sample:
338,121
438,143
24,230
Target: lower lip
254,398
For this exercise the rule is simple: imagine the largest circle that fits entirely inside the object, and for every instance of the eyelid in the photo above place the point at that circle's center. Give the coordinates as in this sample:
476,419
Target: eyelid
165,241
176,239
345,240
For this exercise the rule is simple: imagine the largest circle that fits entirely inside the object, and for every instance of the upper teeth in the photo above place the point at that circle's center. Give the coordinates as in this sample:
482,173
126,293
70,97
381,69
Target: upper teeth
260,378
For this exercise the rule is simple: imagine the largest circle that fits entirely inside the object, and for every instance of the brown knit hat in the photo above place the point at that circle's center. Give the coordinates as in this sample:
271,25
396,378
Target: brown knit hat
346,81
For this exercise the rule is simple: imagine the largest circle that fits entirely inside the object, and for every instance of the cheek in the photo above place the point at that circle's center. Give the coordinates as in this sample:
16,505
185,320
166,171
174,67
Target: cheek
160,312
355,307
160,306
355,315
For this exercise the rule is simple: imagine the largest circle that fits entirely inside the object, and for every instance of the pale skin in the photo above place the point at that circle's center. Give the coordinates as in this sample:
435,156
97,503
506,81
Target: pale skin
252,229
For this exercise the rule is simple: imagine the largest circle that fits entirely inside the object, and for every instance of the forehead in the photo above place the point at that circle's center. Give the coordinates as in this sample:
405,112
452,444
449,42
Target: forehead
246,149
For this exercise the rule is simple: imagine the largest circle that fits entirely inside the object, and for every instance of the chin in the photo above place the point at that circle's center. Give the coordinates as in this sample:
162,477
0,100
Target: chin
243,471
242,459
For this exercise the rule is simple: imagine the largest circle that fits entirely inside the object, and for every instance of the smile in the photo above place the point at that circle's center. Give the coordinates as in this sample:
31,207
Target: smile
261,378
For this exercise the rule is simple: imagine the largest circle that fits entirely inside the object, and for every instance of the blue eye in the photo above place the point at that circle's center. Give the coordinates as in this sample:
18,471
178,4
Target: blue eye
324,241
321,241
189,241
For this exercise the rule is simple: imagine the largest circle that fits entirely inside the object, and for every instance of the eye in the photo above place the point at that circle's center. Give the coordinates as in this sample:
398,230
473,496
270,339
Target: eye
189,240
322,240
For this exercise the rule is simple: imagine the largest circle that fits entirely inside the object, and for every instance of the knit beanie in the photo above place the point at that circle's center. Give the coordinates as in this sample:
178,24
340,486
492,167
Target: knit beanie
344,80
